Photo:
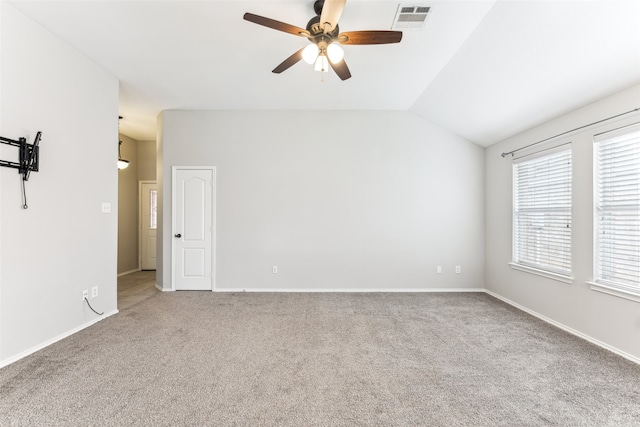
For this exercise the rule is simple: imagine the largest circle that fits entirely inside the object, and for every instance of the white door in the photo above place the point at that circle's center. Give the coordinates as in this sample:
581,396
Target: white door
148,224
193,196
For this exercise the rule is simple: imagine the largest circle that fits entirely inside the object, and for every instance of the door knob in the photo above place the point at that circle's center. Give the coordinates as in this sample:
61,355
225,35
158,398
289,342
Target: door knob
178,235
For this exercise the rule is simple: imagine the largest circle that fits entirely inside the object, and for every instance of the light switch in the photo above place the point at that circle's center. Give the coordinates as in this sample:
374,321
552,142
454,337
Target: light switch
106,207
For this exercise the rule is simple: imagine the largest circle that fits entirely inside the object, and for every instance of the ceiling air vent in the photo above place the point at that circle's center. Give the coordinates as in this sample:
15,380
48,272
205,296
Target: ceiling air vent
410,17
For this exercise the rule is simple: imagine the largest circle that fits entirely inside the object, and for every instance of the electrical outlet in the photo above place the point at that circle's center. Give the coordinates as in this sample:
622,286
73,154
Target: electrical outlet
94,292
274,269
85,294
439,269
458,269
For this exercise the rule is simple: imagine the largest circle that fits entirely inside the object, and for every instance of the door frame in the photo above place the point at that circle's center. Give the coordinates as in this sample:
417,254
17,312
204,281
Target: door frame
140,183
214,234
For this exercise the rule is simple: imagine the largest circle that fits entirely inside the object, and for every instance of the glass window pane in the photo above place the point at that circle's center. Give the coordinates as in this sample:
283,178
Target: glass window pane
153,209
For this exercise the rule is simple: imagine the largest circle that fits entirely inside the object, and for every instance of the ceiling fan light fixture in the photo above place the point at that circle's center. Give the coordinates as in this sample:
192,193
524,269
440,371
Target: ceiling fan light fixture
310,53
322,31
322,64
335,53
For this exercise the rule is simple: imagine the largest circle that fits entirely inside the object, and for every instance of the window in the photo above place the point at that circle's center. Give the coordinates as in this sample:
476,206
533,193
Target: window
617,209
542,213
153,209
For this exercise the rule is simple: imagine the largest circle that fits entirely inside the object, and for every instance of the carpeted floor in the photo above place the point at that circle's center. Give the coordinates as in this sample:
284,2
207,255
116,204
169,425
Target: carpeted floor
331,359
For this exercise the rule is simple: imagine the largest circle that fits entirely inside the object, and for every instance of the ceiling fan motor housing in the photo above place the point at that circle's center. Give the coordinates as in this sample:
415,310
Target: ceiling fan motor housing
317,32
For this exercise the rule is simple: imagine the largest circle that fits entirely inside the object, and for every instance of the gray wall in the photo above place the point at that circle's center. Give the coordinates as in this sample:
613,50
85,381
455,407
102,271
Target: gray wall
609,320
160,270
128,223
337,200
63,243
147,160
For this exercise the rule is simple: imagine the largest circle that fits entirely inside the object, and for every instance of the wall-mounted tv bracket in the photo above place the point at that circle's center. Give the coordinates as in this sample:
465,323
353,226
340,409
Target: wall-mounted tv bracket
29,160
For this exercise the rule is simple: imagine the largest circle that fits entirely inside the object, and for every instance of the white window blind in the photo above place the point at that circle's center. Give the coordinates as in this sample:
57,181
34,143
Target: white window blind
617,209
542,212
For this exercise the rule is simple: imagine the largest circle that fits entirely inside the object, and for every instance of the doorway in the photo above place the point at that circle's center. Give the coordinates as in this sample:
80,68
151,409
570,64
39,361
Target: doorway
134,284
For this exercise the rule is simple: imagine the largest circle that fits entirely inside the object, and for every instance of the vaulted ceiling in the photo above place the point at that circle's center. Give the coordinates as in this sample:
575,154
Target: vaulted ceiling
485,70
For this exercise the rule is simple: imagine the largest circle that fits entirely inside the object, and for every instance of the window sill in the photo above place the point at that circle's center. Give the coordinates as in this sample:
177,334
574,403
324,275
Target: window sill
538,272
615,291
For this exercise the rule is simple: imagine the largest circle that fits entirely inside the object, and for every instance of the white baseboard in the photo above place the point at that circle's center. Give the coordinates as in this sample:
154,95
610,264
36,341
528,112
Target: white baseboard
567,328
47,343
129,272
352,290
161,289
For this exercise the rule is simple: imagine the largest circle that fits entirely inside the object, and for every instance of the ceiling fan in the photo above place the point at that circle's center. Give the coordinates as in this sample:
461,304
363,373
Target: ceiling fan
323,32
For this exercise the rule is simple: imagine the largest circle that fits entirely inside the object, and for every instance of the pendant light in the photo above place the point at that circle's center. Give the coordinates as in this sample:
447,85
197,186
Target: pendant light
122,163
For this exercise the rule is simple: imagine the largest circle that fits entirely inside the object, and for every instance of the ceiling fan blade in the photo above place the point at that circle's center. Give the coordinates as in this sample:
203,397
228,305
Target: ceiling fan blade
369,37
341,69
293,59
331,11
276,25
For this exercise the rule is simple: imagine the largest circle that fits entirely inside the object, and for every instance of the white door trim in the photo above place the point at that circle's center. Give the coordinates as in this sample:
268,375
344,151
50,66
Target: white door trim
174,169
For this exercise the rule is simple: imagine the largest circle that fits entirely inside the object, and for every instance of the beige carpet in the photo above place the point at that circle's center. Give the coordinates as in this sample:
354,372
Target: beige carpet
246,359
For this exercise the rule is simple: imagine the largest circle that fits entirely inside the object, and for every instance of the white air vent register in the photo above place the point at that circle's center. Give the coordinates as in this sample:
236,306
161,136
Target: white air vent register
410,17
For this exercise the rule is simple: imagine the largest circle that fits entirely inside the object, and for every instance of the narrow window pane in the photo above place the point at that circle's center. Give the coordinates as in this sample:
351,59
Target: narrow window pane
153,209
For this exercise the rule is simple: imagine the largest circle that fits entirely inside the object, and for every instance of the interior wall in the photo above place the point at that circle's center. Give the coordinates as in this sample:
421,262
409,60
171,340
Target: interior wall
160,251
146,160
610,320
63,243
337,200
128,222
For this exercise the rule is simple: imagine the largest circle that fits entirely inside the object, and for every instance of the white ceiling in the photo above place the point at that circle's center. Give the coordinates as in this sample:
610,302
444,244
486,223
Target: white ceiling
483,69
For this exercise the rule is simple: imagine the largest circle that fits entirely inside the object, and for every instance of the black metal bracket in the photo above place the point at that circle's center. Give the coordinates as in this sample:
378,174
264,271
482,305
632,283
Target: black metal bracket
29,160
29,156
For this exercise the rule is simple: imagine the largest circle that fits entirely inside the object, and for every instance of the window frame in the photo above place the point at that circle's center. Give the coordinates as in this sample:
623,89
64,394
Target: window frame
599,282
519,262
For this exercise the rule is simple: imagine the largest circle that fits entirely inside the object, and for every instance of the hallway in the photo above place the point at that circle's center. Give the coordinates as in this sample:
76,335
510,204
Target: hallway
136,287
